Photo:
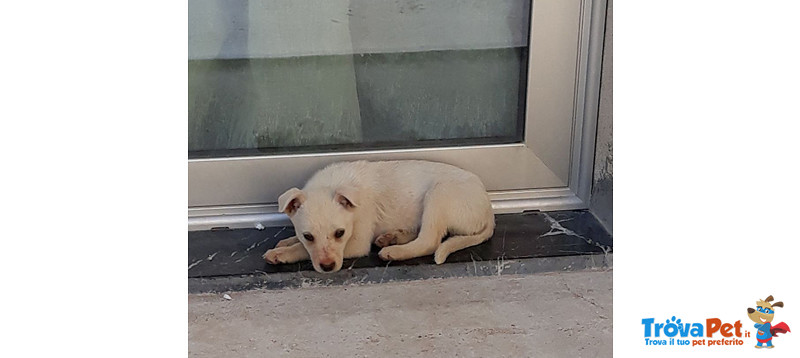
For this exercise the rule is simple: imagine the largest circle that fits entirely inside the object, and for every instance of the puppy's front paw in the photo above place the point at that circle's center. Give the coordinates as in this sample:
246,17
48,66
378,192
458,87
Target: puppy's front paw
275,256
287,242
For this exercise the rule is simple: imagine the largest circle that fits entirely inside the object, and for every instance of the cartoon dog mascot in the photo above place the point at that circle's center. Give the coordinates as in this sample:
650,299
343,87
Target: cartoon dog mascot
762,316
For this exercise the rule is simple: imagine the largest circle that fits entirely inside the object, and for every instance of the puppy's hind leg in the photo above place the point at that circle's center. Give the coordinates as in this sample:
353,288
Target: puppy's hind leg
455,243
469,218
432,229
395,237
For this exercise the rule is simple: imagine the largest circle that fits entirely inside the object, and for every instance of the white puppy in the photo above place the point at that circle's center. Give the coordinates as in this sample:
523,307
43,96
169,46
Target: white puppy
406,207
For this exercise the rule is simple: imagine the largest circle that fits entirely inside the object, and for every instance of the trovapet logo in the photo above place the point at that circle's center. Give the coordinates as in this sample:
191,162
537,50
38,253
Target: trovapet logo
763,316
716,332
674,332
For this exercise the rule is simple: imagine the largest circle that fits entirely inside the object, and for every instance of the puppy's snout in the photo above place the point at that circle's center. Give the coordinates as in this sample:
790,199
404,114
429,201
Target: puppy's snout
750,310
327,265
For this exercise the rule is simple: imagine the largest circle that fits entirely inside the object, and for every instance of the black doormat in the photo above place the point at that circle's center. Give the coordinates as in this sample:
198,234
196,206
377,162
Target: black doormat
231,259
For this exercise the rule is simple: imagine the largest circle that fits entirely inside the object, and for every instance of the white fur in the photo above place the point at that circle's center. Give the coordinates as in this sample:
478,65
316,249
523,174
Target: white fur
406,207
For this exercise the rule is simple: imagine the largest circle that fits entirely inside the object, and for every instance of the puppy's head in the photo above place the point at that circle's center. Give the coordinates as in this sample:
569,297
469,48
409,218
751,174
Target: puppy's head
323,221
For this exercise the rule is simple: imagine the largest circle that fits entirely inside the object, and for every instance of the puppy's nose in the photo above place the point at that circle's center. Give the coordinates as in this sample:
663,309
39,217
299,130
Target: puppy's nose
750,310
327,267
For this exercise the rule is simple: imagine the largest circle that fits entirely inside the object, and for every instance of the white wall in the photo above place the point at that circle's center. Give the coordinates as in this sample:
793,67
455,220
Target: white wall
602,204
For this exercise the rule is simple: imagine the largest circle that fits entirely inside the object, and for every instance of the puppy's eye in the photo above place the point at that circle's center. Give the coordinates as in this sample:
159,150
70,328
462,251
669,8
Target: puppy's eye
339,233
308,237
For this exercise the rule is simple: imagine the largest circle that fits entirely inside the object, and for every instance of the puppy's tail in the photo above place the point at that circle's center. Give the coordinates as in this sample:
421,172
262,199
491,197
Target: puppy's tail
455,243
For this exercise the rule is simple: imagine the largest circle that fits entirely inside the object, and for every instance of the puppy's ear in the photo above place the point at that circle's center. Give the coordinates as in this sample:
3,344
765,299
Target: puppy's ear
769,299
290,201
347,197
777,304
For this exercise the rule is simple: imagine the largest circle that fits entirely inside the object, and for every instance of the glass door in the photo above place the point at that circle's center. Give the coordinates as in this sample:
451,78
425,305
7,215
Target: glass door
278,89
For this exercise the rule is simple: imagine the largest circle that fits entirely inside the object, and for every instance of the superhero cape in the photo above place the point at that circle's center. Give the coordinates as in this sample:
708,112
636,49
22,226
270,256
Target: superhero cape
779,328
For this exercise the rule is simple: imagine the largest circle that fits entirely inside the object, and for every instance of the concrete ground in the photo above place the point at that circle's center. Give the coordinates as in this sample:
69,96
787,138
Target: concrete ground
544,315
